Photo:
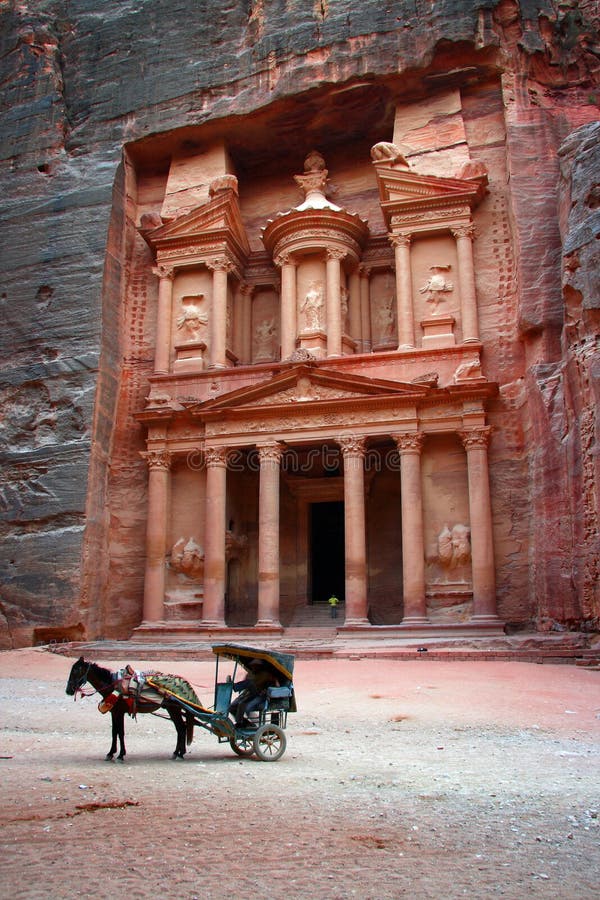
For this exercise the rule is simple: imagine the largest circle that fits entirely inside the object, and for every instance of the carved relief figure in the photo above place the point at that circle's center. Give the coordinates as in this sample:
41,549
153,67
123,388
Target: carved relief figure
311,307
264,335
344,304
187,559
454,546
436,286
385,319
192,321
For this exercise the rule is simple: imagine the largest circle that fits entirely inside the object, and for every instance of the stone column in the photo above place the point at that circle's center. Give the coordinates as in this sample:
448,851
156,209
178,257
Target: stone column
353,450
268,535
413,542
289,325
365,308
213,612
475,442
354,313
163,319
238,321
334,308
159,462
246,292
218,313
404,300
466,280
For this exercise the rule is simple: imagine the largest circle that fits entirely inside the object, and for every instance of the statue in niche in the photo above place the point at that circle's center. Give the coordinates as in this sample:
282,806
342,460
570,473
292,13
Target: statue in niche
264,334
187,559
344,305
385,319
435,286
312,305
192,322
454,547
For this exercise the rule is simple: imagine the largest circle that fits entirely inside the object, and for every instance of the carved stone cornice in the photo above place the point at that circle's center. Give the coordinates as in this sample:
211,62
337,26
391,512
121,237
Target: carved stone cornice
409,442
475,438
157,460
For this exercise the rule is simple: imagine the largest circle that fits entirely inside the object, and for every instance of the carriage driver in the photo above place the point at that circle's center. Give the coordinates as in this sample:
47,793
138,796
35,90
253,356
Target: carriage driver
253,691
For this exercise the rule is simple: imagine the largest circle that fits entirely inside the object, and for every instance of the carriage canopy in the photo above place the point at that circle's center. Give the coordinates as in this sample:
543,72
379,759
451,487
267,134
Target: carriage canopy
282,663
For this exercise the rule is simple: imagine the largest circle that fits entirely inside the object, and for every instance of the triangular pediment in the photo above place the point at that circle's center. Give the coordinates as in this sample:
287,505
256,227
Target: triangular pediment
306,385
219,218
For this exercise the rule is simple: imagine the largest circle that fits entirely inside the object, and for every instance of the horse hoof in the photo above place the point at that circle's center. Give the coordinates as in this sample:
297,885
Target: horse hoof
109,758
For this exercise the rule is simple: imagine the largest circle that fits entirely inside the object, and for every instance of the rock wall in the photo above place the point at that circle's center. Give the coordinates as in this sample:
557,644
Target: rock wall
84,80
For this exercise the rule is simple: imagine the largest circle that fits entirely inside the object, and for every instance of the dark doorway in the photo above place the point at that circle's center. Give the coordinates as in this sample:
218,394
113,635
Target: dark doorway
327,554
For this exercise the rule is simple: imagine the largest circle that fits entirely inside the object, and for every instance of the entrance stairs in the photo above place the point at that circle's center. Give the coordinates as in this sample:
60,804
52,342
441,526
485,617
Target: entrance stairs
316,618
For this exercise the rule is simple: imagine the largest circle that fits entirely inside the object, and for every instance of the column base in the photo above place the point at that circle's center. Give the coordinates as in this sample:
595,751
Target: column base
268,625
357,622
486,619
212,623
406,347
411,621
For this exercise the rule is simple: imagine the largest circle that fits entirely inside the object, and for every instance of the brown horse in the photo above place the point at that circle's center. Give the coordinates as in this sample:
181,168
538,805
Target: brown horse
104,681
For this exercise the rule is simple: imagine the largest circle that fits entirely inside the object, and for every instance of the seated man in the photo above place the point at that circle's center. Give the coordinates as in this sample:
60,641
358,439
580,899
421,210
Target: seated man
253,691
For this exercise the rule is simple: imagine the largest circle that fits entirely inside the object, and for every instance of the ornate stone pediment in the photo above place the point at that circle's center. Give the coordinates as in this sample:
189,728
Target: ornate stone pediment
404,192
215,223
306,385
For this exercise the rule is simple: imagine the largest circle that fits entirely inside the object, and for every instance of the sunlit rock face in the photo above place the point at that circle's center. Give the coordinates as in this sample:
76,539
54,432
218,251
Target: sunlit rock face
117,125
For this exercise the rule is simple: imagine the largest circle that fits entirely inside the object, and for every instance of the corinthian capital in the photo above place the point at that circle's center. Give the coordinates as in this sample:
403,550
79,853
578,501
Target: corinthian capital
400,240
464,231
352,445
336,254
215,456
270,453
409,442
219,264
157,459
164,272
475,438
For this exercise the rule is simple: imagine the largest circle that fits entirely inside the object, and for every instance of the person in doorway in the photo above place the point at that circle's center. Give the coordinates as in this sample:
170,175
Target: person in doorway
252,691
333,605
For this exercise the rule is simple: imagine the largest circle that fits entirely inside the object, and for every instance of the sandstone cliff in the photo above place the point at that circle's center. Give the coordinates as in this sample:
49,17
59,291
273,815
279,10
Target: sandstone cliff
84,81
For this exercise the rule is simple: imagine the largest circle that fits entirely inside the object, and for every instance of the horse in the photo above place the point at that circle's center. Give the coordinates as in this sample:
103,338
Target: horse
105,682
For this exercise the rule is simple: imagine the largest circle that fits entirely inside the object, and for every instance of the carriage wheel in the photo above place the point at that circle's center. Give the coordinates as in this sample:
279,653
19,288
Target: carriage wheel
270,743
242,744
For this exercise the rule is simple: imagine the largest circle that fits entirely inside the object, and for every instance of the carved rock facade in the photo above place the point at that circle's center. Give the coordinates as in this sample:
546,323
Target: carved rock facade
355,315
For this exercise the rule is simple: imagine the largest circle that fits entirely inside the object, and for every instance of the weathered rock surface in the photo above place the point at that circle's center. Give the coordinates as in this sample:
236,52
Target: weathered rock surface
83,80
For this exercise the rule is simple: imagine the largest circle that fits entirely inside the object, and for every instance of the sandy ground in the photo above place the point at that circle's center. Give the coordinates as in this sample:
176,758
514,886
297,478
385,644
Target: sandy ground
400,779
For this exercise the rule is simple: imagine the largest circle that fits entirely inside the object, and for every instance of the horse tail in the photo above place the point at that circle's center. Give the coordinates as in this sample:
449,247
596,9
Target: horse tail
189,728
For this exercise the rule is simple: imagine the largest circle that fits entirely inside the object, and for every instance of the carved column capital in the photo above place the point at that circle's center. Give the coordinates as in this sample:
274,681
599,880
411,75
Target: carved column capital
352,445
400,240
270,453
474,438
409,442
164,272
285,258
215,457
336,254
364,271
157,459
219,264
464,231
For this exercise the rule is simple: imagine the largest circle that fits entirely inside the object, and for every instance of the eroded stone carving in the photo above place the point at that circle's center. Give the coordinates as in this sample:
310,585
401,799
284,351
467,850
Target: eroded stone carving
312,307
467,370
264,335
192,322
454,546
384,150
187,559
436,286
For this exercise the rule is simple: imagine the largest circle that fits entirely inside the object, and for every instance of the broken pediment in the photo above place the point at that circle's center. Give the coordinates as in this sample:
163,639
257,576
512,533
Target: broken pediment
305,384
404,192
216,222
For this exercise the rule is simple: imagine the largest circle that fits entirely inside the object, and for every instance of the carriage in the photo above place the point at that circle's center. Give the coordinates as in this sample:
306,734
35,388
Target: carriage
261,734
